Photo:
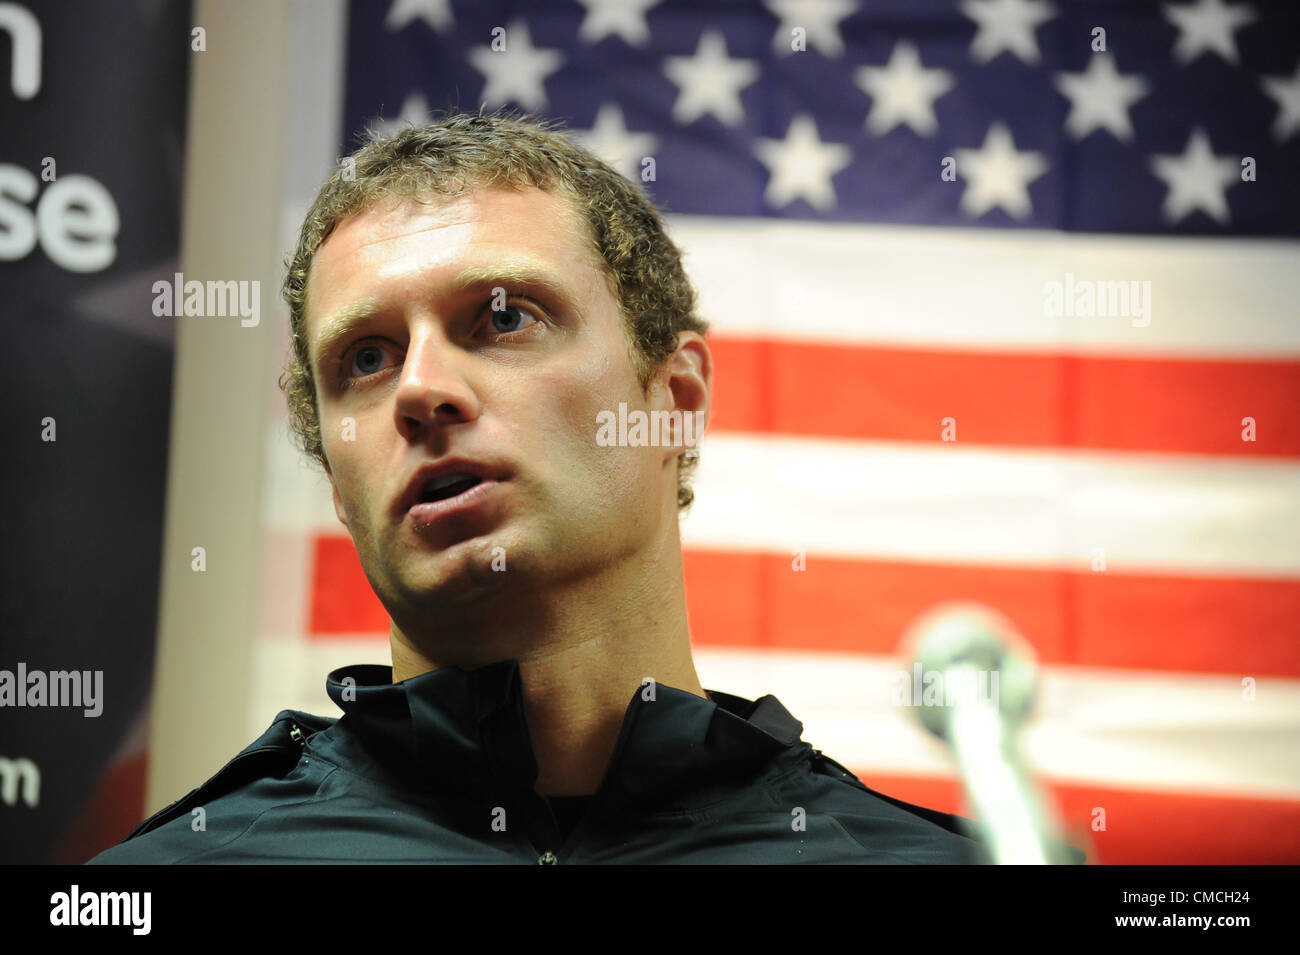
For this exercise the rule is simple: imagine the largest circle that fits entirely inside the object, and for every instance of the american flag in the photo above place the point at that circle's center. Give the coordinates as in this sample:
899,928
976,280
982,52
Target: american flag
1004,307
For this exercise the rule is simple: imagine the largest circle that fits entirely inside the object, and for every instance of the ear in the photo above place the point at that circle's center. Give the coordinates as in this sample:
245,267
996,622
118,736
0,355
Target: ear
687,379
338,501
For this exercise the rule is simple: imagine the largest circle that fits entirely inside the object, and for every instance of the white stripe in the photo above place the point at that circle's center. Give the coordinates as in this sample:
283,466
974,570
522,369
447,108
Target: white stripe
1111,728
1141,731
297,494
984,289
1149,513
970,505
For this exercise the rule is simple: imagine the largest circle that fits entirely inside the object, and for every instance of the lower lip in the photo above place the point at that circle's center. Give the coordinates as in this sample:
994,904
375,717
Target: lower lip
422,515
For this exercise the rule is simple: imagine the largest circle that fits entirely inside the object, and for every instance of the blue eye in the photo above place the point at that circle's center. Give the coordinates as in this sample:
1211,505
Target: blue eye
504,316
363,352
360,358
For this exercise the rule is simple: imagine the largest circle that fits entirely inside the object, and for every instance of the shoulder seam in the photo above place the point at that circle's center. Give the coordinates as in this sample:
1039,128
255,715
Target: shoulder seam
315,797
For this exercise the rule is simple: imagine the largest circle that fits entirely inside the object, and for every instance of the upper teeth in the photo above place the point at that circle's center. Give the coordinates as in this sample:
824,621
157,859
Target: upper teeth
438,484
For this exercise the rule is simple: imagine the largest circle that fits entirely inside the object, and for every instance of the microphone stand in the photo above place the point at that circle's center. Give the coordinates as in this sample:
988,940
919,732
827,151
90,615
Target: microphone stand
964,644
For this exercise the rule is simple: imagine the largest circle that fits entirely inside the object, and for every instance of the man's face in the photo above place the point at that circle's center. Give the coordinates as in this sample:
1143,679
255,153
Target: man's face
434,371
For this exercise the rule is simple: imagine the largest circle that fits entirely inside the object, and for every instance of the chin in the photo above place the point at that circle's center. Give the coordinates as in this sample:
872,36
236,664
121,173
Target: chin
461,573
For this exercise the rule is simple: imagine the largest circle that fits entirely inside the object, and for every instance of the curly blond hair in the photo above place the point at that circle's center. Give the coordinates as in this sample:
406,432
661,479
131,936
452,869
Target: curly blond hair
460,153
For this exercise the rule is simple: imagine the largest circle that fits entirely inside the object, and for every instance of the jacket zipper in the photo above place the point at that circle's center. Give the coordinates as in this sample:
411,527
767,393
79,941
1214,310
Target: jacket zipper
170,812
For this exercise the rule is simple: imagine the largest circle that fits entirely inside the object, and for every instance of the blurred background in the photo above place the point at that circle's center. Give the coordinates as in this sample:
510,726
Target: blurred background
1004,306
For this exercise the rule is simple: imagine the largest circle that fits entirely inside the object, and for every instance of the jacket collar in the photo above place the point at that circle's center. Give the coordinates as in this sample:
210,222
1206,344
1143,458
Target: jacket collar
467,731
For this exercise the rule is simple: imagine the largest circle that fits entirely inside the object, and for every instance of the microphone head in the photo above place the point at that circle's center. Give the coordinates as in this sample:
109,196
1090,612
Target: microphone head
971,654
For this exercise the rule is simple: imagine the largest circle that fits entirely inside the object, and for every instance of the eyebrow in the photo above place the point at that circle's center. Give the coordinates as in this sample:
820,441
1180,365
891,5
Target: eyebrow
347,319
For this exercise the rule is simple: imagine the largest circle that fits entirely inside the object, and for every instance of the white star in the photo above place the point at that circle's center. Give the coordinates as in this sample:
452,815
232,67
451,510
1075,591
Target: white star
624,17
997,174
903,91
436,13
818,18
1007,25
710,82
1100,98
415,112
1286,90
517,72
1196,180
610,139
1207,26
802,165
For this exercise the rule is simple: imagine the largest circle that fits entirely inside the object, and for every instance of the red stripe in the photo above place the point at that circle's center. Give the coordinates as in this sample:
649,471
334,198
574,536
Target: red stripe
1204,624
1022,400
1200,624
1142,827
341,599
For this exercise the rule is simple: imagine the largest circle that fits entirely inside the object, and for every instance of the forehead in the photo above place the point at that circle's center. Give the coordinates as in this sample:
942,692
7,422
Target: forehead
398,249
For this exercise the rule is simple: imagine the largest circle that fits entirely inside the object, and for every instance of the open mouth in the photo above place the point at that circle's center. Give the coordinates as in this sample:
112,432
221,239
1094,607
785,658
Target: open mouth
444,488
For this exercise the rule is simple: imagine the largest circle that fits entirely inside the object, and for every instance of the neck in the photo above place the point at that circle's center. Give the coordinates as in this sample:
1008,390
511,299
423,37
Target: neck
584,647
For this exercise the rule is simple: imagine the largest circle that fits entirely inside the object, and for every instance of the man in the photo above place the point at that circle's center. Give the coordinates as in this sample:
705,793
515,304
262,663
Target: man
468,303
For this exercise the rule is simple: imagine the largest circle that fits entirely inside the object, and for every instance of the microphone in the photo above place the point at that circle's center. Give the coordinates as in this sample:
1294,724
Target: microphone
976,675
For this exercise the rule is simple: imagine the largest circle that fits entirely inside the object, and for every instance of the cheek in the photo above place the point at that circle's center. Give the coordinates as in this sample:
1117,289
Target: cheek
343,457
360,508
569,397
564,404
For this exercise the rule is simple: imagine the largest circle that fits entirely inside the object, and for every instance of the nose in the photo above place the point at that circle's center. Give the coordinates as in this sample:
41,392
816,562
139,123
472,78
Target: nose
433,387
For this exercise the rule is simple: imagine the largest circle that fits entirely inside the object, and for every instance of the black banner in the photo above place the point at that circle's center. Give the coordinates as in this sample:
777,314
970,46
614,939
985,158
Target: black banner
93,100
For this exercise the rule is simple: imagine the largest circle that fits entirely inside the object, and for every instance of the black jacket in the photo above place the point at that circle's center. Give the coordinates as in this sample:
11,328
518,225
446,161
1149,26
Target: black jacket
440,768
